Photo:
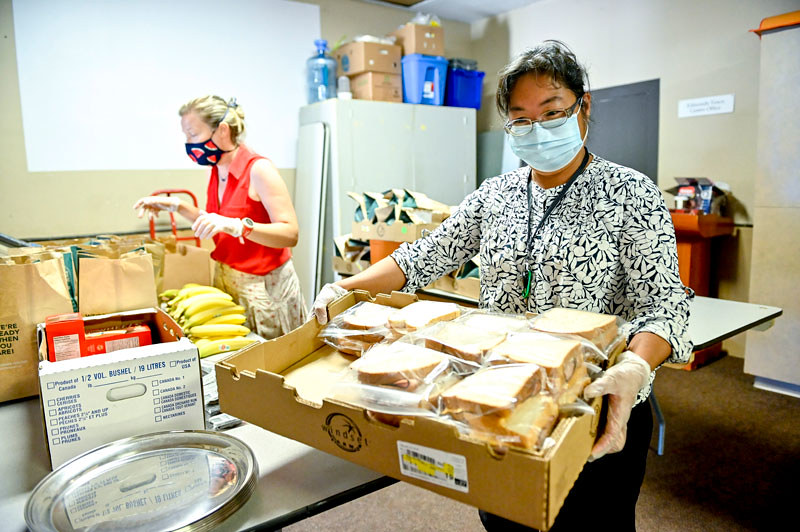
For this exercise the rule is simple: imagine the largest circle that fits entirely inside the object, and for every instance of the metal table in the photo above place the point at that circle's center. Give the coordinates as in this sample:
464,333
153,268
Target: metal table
295,481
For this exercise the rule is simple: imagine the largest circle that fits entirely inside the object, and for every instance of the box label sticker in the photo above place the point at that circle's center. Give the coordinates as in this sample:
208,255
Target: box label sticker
434,466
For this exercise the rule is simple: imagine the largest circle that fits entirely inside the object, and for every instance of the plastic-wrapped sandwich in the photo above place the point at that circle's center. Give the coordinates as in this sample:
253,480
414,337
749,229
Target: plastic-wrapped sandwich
401,365
504,405
358,328
600,329
421,314
397,380
562,360
472,335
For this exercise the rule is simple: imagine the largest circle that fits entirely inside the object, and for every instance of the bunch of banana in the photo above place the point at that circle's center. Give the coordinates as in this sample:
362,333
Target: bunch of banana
213,346
192,299
208,316
213,338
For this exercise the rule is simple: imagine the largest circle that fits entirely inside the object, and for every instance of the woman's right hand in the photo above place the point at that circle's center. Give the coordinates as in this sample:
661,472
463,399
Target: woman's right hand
155,204
328,293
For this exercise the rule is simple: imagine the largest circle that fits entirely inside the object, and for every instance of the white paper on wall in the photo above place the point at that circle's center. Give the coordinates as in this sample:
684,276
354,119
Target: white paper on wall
101,82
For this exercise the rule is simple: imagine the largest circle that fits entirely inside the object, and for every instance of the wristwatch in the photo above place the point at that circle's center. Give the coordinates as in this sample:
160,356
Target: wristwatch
247,227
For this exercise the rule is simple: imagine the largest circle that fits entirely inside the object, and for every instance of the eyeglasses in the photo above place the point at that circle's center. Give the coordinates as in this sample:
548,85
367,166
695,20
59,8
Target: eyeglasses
549,120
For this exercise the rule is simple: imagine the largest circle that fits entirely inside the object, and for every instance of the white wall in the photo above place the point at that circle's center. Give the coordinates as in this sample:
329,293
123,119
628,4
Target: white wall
696,48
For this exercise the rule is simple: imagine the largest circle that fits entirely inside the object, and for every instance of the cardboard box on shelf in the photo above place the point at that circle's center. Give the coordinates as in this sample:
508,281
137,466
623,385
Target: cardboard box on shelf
357,57
523,486
420,39
377,86
341,265
87,402
395,232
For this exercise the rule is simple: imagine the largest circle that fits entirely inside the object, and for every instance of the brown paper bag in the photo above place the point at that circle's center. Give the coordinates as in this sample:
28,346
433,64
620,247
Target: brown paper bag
113,285
187,264
31,291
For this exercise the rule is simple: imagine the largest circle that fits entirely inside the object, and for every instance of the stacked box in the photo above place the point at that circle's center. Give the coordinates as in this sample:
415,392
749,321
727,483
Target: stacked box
374,70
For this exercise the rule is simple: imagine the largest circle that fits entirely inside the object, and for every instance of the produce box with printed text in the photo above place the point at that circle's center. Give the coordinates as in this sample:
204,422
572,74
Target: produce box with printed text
394,232
92,400
288,375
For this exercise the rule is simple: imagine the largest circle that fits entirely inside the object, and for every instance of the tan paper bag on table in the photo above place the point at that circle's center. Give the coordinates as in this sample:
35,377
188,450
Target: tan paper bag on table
32,289
187,264
113,285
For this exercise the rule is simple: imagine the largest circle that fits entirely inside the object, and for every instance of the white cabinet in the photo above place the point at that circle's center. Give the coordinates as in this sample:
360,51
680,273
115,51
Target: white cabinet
375,146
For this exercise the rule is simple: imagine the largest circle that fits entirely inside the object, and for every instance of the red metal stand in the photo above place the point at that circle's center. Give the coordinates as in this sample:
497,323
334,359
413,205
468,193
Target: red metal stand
169,192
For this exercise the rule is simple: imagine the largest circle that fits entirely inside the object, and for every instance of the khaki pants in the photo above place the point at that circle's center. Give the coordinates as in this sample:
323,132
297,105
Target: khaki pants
273,302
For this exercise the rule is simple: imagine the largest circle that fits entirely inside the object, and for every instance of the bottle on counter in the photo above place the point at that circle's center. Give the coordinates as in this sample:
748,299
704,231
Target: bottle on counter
321,74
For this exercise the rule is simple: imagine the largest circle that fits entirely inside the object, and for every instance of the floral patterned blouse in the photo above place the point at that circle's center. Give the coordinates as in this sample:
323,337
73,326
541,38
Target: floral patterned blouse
609,247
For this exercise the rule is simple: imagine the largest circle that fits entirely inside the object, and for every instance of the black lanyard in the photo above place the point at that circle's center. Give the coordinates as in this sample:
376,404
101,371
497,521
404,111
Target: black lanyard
547,212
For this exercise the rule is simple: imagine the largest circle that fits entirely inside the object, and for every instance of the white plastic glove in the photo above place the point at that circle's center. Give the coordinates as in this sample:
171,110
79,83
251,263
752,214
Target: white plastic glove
328,293
154,204
209,224
621,382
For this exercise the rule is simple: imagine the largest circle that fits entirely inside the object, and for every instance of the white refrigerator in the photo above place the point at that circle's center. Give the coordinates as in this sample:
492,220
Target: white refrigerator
365,146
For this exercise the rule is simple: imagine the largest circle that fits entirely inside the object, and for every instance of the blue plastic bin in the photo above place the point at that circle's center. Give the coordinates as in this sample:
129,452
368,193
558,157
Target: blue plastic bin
464,88
424,78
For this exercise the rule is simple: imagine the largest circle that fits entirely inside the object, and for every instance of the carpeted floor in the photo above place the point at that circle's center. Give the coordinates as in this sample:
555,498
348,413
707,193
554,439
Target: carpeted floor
731,463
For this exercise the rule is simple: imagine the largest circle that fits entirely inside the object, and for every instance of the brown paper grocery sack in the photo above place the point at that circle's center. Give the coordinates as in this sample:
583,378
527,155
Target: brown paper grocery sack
187,264
113,285
29,293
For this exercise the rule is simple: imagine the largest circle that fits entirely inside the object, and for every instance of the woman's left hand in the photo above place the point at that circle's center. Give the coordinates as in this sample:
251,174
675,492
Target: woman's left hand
209,224
621,382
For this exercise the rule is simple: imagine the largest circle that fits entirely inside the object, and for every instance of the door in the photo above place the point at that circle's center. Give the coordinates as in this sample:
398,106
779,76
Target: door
624,126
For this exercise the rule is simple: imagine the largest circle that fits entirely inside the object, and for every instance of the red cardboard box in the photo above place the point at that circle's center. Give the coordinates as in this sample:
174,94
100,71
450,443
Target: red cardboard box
116,339
65,336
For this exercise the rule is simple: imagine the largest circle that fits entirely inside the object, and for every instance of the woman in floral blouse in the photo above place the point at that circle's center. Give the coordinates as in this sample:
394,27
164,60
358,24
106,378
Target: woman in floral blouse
570,229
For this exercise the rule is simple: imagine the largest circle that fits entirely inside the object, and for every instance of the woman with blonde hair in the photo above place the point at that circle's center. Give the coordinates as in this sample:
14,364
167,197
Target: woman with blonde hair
248,213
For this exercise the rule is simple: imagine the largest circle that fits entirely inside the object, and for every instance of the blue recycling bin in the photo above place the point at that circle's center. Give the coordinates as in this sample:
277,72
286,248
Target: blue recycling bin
424,79
464,88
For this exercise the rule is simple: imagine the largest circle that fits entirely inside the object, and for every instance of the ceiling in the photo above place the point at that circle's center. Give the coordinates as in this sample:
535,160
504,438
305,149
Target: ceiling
460,10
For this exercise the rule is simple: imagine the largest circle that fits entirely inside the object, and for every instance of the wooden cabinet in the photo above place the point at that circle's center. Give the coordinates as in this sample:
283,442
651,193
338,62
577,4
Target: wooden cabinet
693,233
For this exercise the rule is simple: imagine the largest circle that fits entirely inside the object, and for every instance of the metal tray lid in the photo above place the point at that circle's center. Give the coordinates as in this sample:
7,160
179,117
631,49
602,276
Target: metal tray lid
176,480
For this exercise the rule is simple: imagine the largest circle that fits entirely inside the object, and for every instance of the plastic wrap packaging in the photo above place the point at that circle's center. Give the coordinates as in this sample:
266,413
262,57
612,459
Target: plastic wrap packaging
562,358
506,405
605,331
399,379
421,314
358,328
471,335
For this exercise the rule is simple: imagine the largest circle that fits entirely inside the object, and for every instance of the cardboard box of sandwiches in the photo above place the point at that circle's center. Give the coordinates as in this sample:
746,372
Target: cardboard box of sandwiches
486,458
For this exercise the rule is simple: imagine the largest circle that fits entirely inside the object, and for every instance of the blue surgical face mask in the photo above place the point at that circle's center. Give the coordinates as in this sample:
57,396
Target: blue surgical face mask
549,150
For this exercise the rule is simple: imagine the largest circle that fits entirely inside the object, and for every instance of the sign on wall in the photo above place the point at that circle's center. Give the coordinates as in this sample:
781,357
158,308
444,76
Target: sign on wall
708,105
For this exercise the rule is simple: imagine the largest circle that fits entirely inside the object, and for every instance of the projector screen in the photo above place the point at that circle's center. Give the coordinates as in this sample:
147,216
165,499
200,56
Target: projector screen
101,82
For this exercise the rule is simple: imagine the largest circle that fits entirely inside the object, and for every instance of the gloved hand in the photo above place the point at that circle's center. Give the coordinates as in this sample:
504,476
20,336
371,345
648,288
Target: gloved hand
154,204
622,383
328,293
209,224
